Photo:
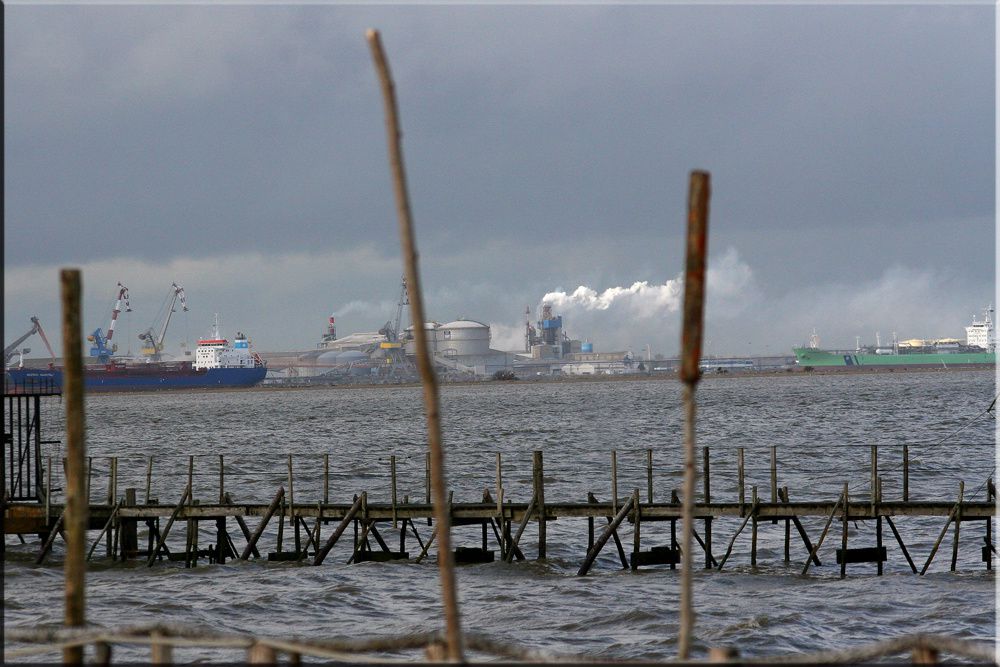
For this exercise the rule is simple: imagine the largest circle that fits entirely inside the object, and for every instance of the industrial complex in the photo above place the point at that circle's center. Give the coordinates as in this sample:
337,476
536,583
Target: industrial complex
461,349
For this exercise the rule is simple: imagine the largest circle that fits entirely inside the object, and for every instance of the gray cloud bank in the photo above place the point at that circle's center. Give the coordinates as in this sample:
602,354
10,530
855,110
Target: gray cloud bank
240,151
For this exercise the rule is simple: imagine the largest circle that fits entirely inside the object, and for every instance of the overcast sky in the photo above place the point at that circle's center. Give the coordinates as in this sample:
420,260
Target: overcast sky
240,151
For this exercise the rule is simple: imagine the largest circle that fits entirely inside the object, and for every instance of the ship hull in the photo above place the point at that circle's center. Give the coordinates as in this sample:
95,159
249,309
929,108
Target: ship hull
146,377
806,356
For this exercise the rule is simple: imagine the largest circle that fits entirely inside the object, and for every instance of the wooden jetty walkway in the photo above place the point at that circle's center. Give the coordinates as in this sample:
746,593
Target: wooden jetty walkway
290,528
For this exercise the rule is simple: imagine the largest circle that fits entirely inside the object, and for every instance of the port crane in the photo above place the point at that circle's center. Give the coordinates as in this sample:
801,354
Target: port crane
154,342
103,347
393,346
12,351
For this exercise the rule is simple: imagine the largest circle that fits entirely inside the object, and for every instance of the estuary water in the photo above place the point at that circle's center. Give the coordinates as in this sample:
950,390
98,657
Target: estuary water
822,425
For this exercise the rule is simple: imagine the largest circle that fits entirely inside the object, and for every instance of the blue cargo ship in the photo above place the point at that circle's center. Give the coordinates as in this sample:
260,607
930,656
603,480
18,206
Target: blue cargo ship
217,365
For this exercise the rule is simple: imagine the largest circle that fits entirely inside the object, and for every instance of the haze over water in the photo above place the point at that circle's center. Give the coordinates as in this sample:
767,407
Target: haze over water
823,426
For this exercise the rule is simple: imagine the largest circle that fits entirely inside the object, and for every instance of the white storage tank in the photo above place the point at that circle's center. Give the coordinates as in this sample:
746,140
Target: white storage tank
410,343
463,338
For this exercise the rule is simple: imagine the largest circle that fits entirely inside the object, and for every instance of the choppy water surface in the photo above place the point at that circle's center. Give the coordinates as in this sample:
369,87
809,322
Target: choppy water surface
822,425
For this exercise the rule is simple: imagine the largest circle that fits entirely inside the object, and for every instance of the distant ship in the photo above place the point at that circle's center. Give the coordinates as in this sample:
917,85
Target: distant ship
217,365
978,349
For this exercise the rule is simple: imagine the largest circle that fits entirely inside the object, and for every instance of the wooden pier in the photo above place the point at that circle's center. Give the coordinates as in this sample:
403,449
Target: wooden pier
291,528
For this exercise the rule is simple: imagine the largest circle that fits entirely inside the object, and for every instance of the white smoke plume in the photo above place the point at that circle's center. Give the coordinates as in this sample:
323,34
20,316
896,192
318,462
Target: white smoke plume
727,279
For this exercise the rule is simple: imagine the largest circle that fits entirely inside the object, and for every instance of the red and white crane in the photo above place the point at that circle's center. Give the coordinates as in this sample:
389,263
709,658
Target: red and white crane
103,349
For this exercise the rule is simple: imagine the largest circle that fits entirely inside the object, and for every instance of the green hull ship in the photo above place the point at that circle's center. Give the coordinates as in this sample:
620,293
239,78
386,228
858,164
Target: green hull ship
979,349
807,356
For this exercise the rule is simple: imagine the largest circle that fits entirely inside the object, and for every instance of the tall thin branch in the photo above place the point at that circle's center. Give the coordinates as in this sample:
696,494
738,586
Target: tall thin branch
691,336
449,594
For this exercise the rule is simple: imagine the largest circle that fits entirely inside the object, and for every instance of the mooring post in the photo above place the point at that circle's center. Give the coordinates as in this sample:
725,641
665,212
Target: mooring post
843,559
709,560
538,476
222,479
90,473
149,477
753,531
75,567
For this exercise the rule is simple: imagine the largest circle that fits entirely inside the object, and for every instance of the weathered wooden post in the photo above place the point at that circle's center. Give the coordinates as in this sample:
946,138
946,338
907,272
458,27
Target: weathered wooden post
906,474
708,519
129,532
753,532
614,482
392,473
843,560
649,476
75,567
740,481
537,473
691,336
449,593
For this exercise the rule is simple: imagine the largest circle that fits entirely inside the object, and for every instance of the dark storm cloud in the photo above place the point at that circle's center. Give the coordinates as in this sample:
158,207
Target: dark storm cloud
842,141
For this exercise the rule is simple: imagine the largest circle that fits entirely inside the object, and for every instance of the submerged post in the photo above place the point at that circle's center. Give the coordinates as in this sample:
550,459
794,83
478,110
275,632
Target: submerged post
75,568
449,594
691,335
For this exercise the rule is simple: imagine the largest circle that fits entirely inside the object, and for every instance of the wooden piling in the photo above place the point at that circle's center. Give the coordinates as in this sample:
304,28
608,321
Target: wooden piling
326,478
958,524
746,519
843,561
906,474
77,506
842,500
740,482
603,539
709,560
636,518
337,532
614,481
392,474
788,527
951,517
753,533
272,508
149,477
222,479
538,476
129,528
649,476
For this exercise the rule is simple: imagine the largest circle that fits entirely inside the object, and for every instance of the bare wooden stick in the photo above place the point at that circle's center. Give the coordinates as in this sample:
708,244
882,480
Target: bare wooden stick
901,545
446,566
77,506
